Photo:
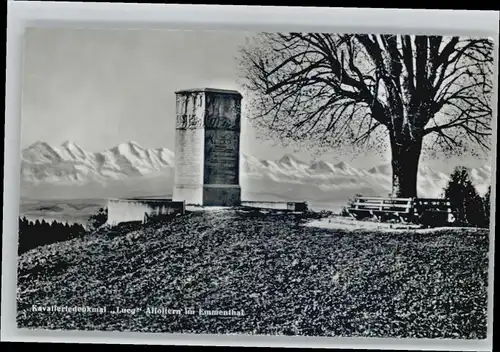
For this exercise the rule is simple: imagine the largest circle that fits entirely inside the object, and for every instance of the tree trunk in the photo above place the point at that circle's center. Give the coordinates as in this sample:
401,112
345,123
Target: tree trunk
405,160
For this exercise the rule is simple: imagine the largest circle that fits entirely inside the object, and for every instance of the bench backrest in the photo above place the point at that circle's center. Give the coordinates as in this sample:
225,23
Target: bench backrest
417,204
434,203
380,203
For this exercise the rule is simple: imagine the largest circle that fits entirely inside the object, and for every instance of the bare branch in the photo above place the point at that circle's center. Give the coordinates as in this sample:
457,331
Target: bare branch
342,88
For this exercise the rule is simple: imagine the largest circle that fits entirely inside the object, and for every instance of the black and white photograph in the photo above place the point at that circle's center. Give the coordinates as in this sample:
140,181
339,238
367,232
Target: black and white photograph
256,183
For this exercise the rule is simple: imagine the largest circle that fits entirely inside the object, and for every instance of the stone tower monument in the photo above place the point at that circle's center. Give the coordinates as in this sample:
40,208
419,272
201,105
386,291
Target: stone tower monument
207,147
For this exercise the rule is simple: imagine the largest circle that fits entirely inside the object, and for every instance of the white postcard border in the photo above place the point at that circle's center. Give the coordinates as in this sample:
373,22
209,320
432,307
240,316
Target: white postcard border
22,14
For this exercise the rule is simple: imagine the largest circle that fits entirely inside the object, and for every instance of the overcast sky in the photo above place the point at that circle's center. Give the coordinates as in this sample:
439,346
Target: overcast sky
99,88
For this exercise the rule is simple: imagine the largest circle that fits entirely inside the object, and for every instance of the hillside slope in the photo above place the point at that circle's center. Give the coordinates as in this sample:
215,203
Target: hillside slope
287,279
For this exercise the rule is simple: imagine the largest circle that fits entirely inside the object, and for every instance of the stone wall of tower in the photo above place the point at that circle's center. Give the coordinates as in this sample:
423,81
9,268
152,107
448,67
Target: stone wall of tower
189,148
208,147
221,181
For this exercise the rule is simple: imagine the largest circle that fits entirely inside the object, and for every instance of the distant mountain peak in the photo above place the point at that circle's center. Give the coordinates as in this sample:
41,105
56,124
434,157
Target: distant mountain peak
39,144
134,144
71,146
127,147
41,150
289,159
73,150
321,165
342,165
381,169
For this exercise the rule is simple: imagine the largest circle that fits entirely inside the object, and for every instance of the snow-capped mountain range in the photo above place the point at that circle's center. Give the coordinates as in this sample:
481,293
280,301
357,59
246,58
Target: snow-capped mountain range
342,178
69,163
128,167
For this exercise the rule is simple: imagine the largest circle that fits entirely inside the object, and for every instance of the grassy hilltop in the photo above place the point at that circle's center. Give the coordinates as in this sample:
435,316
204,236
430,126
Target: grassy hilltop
287,278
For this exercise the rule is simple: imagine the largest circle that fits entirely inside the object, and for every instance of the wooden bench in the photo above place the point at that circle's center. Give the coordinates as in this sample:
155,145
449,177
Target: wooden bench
434,211
382,208
428,211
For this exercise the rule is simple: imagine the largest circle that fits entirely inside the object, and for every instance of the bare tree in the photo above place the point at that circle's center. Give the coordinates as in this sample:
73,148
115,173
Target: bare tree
362,90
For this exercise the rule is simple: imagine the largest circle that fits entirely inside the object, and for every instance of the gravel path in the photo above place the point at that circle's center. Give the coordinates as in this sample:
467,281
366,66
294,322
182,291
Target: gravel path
268,274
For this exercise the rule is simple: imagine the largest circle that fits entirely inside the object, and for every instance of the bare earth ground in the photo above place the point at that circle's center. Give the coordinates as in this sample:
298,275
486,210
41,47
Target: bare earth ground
287,278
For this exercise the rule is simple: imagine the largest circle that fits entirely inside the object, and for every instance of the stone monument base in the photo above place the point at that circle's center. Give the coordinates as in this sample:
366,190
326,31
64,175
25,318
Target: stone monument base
209,195
222,195
190,194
